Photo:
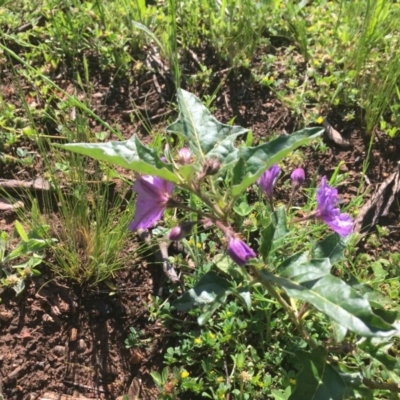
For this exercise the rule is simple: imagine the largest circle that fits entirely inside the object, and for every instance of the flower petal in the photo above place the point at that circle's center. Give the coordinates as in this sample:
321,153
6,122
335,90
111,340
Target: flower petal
239,251
152,195
341,224
146,215
267,180
326,199
329,213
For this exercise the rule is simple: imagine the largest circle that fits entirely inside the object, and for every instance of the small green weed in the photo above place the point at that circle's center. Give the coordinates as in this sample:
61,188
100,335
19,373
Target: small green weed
19,261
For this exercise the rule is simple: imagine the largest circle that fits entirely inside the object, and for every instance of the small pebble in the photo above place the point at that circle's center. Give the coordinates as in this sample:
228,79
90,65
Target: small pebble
73,334
59,350
47,318
82,345
5,315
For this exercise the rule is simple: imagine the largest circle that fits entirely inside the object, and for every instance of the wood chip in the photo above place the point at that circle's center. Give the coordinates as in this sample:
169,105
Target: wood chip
73,334
47,318
379,204
135,389
5,205
136,357
334,135
161,253
5,315
34,184
59,396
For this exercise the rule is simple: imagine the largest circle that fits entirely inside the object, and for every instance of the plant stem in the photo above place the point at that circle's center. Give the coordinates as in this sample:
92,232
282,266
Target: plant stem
212,206
178,204
271,204
393,387
298,323
290,202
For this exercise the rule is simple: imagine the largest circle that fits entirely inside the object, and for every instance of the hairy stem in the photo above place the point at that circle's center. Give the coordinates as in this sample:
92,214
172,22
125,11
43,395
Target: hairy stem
201,214
297,322
212,206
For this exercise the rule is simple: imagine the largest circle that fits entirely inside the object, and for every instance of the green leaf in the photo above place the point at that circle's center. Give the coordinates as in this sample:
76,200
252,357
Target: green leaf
339,332
35,245
244,296
243,209
19,287
18,251
379,352
281,230
210,292
354,386
253,161
317,380
21,231
157,378
267,236
294,259
211,308
302,270
226,265
383,306
334,298
279,395
146,30
205,136
332,247
3,245
130,154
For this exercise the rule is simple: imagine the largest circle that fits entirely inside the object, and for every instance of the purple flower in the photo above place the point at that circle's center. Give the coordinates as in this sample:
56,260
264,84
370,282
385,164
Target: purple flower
327,211
153,193
239,251
297,177
184,156
267,180
182,230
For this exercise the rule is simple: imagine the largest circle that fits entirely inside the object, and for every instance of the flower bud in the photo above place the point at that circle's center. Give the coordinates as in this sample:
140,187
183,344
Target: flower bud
182,230
239,251
297,177
207,223
211,166
184,156
267,180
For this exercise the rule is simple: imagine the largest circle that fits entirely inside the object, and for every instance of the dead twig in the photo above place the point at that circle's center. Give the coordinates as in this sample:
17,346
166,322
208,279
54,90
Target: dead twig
393,387
228,396
334,135
379,204
5,205
161,254
35,184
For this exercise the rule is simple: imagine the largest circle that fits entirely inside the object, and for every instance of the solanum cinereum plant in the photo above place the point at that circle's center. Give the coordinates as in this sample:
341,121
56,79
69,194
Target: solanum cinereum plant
218,171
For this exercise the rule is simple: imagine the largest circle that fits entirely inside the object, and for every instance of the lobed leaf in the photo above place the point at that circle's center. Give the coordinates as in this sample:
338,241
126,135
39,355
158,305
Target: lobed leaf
379,351
299,269
130,154
334,298
317,380
210,293
332,247
205,135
